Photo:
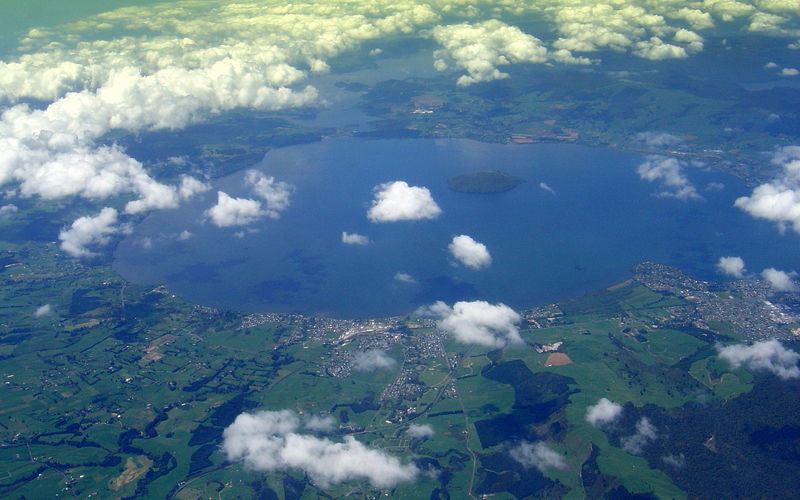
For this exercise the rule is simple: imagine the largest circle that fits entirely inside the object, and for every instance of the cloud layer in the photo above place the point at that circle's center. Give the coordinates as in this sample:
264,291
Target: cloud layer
767,355
397,201
470,252
166,65
270,441
477,322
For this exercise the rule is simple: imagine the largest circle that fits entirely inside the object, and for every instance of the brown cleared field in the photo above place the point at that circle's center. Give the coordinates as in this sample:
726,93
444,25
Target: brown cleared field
557,359
134,469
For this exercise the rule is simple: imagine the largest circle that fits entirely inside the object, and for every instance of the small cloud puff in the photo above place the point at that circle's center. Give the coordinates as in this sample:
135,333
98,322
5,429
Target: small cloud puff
87,231
45,310
404,278
7,210
604,412
545,187
354,239
189,187
676,461
477,322
669,171
780,281
397,201
417,431
231,211
645,434
538,455
731,266
767,355
271,441
275,194
659,139
470,252
320,423
374,359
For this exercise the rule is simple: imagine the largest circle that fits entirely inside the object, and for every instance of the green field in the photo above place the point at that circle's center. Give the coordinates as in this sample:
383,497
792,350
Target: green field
123,390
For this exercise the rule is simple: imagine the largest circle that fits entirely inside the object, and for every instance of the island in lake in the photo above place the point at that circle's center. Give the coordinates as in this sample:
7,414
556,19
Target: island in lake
491,181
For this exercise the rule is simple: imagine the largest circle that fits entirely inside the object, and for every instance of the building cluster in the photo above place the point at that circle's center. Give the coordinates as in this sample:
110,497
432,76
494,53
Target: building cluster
747,305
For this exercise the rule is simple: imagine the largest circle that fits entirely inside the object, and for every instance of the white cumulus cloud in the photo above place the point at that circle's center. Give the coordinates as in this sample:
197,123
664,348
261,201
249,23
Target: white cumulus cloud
669,172
420,431
231,211
397,201
538,455
470,252
780,281
477,322
731,266
275,194
767,355
271,441
354,239
604,412
778,200
656,49
87,231
480,48
374,359
189,187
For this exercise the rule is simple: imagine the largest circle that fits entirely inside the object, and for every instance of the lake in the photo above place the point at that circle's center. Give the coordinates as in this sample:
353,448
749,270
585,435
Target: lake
599,220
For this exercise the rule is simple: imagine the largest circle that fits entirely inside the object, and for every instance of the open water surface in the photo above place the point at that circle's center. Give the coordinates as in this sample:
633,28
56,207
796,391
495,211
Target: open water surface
601,220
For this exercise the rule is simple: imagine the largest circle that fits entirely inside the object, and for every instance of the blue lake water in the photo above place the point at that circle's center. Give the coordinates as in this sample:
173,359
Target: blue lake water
545,247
